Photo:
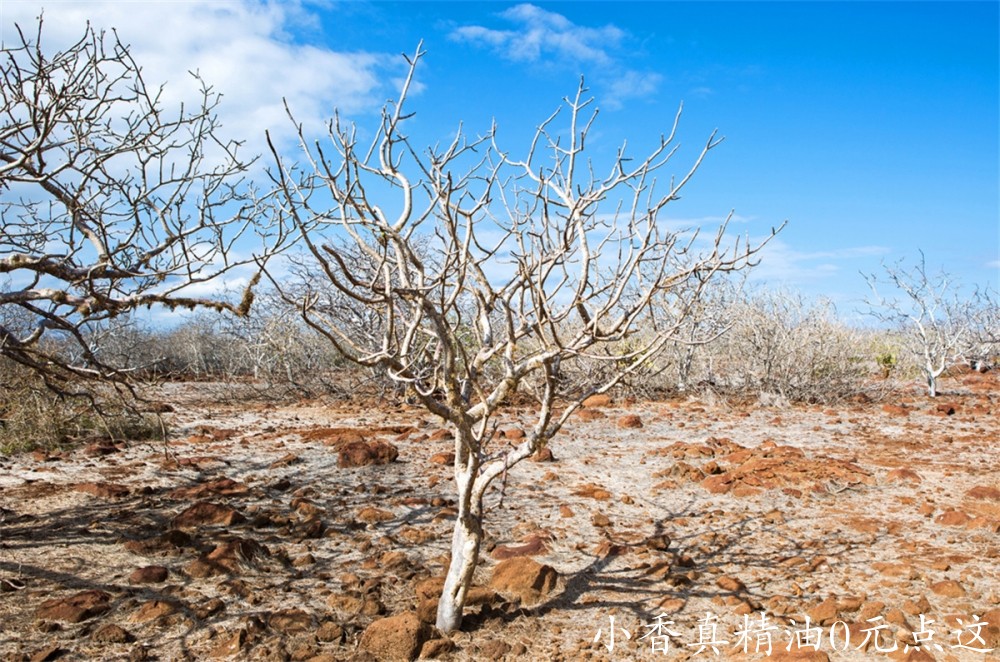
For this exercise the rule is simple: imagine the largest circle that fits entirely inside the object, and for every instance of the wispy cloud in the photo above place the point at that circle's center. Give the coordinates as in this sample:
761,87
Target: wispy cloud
781,264
538,36
543,34
243,49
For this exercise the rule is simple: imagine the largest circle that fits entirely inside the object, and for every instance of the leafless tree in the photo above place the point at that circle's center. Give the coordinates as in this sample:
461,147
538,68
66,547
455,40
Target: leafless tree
928,312
983,351
111,201
702,325
491,273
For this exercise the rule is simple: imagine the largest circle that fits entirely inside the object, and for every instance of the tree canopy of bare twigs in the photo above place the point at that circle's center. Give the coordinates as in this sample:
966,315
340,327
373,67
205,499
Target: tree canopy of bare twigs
110,202
984,345
490,274
926,308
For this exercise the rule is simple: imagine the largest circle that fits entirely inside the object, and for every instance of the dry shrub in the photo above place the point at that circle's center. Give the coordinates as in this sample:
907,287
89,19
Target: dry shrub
35,416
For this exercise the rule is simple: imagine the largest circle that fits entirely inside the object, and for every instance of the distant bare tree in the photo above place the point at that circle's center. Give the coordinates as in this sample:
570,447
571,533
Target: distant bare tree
702,325
926,309
984,330
491,274
111,202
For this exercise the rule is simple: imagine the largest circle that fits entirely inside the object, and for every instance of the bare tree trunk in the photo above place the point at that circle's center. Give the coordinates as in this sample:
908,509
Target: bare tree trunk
466,541
465,544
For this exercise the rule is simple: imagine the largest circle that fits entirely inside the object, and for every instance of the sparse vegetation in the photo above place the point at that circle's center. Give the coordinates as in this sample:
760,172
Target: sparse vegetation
33,416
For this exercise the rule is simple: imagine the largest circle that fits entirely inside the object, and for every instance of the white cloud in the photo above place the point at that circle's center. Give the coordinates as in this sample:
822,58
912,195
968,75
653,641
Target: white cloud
547,38
631,85
541,34
782,264
995,264
242,48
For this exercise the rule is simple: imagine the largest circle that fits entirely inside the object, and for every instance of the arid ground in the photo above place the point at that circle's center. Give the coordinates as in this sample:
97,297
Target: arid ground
249,535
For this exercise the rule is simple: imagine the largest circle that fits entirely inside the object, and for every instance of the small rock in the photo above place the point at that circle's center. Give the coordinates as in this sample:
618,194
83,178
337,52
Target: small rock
990,633
150,574
52,652
984,492
290,621
945,409
718,483
600,520
607,548
870,610
329,631
659,542
799,656
524,578
494,649
231,556
362,453
630,421
371,515
441,435
153,610
229,645
206,513
903,475
731,584
592,491
916,607
948,588
446,458
209,608
285,461
599,400
543,455
532,547
304,560
219,486
670,605
170,542
346,603
75,608
952,518
825,613
103,490
436,648
100,448
306,508
397,637
112,634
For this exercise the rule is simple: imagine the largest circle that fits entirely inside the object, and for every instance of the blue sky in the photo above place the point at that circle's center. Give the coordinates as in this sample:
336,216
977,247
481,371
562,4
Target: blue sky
871,127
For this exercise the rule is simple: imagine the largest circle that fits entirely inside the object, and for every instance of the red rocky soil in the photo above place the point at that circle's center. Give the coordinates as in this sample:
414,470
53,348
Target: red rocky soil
315,532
